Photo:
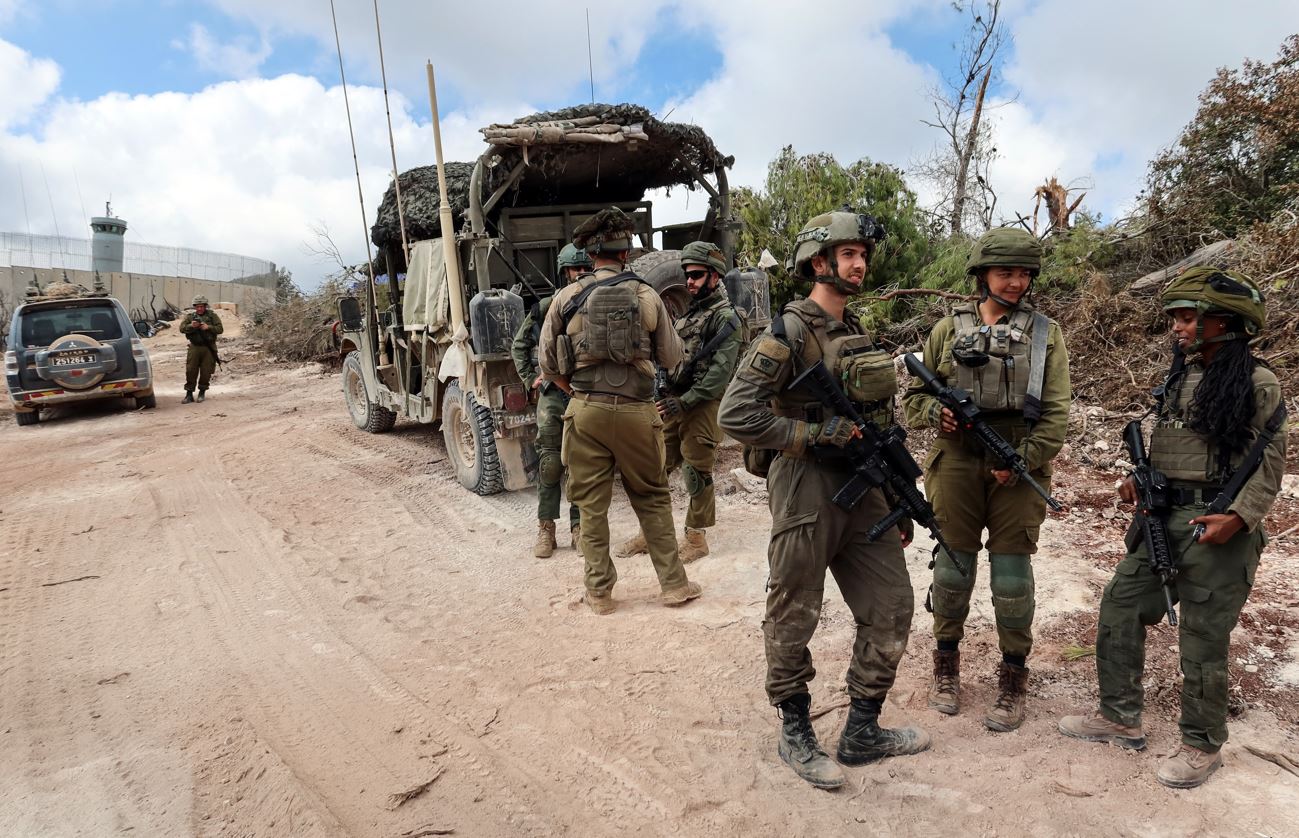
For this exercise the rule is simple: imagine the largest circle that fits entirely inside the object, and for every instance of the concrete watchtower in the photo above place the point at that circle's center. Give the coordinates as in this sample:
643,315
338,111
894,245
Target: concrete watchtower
108,242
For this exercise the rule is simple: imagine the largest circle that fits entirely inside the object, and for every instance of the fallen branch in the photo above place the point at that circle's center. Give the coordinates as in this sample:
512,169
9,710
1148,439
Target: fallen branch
402,798
915,292
1276,758
421,831
66,581
816,714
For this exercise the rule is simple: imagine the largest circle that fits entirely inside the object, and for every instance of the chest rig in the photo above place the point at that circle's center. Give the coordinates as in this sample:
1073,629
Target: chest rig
696,340
609,348
1002,366
1175,449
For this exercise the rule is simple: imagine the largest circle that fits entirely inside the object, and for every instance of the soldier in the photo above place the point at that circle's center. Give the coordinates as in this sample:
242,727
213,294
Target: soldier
551,402
1012,361
201,326
711,331
1215,404
600,341
809,532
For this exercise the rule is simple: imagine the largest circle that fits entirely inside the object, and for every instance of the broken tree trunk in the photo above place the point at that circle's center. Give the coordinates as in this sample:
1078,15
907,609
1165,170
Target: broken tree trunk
1213,254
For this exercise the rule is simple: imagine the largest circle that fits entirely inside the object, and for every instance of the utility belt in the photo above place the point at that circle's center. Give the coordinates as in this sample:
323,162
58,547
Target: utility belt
830,457
818,413
606,398
1192,495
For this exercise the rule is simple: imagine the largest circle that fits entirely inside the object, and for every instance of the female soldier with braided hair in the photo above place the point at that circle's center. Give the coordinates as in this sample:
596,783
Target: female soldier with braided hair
1217,401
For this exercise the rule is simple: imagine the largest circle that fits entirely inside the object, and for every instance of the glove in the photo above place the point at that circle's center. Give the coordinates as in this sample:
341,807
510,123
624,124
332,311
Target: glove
837,432
670,406
907,528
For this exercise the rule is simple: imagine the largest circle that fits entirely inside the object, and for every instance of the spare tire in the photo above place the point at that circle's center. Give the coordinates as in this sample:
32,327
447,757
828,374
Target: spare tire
662,270
81,375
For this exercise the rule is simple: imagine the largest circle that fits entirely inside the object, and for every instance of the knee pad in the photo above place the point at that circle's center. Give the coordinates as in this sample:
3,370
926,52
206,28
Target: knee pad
696,481
1012,589
549,468
946,574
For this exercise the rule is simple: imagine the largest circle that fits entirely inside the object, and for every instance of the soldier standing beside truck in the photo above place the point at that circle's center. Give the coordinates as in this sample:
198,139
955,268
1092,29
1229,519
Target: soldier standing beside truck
600,342
201,326
551,402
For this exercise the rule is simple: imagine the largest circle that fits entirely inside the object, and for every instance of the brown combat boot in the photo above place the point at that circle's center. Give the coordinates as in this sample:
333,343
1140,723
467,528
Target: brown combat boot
1007,712
1189,767
683,594
945,691
1097,728
545,546
694,547
633,546
600,602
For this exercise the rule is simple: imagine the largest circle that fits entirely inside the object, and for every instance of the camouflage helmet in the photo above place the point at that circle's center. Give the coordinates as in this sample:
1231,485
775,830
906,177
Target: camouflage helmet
1209,290
830,229
199,300
608,231
704,253
571,257
1008,247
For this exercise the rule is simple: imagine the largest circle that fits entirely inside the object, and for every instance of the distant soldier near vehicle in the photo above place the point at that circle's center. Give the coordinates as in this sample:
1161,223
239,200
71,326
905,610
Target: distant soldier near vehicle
1012,363
810,532
551,402
201,326
600,341
1215,463
712,332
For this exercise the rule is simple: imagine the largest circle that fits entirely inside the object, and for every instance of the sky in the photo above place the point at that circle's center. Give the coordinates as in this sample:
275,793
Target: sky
221,124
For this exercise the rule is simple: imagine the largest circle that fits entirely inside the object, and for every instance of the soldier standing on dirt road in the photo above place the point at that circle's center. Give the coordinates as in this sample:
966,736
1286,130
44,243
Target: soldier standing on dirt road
551,402
712,332
201,326
809,532
1214,404
600,341
1012,361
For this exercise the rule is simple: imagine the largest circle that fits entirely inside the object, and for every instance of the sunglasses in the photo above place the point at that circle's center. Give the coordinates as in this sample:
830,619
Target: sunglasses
696,274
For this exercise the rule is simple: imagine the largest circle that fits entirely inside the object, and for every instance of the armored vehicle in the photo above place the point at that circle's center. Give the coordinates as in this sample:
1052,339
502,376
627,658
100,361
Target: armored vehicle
439,351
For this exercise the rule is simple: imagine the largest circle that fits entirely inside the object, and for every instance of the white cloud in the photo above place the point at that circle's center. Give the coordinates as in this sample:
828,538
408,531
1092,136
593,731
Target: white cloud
239,58
9,10
26,82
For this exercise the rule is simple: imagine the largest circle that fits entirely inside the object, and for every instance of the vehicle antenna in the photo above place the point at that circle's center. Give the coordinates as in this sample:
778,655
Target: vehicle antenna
371,303
450,254
590,65
85,215
22,182
396,180
62,245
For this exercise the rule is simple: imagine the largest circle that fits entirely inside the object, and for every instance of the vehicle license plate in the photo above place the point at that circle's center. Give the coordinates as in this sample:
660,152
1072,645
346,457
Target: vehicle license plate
71,360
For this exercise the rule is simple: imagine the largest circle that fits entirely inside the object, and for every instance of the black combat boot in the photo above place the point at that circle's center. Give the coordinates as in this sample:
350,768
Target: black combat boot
189,397
864,741
202,394
798,746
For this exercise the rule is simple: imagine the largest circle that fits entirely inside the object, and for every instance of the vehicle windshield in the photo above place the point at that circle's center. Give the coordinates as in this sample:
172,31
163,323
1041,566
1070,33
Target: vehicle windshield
43,327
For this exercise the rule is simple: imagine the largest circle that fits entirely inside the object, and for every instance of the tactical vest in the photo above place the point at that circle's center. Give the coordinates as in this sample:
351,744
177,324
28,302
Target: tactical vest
1175,449
1002,383
611,346
693,329
862,369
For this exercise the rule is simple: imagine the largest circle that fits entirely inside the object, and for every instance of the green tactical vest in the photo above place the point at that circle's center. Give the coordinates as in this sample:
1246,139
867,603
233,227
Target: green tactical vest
1175,449
693,329
1002,382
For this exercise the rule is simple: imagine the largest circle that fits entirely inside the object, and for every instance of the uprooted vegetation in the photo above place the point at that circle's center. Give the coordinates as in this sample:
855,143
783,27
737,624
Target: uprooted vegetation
299,327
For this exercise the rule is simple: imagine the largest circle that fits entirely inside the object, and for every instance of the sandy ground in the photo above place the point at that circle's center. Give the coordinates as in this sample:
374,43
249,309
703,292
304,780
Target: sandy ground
248,618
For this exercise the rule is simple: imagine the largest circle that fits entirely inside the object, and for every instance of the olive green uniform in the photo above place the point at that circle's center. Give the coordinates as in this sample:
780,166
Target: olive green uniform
1213,580
809,532
958,470
611,424
551,402
200,360
691,438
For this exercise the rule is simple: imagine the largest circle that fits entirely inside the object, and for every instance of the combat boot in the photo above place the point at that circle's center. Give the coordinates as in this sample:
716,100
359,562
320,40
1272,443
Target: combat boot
1097,728
633,546
545,546
1007,712
864,741
202,394
945,691
1189,767
189,397
600,602
683,594
695,546
798,746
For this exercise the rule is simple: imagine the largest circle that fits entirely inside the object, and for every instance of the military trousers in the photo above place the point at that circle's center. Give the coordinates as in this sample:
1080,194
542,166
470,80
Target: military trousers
1213,581
967,500
551,403
601,439
691,441
200,362
810,534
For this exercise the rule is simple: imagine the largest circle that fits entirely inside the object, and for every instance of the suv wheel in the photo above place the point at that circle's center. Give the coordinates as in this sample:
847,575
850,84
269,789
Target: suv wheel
30,418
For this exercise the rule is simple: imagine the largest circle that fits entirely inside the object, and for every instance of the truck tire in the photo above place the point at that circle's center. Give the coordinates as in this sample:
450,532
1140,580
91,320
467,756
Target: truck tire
148,402
27,418
470,438
366,414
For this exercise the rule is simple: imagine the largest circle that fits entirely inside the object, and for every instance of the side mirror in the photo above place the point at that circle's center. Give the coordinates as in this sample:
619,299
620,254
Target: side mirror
349,312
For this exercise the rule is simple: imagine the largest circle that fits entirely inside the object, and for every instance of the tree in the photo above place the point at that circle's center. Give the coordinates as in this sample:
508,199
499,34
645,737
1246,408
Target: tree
285,288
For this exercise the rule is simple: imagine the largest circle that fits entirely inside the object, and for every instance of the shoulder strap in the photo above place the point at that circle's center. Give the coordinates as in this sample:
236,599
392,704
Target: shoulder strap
1251,462
1036,369
1174,373
575,305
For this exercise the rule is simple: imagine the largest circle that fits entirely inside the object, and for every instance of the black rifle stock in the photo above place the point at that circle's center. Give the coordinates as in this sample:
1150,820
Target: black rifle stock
879,459
967,414
1152,512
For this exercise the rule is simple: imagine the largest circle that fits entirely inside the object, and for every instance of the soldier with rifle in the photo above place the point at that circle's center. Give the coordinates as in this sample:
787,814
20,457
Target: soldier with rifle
827,487
1008,364
1217,454
201,326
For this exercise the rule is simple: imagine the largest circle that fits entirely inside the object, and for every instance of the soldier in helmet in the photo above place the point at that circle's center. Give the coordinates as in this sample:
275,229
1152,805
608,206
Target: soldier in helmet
711,331
600,342
809,532
1012,361
1213,417
551,402
201,326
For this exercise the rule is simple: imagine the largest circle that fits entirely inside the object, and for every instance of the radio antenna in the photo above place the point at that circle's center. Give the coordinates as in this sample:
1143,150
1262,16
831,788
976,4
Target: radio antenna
392,146
590,65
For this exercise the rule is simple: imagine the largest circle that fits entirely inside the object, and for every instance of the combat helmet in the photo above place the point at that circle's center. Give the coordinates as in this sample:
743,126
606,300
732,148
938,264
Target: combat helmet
1212,291
704,253
828,230
1004,247
199,300
571,257
608,231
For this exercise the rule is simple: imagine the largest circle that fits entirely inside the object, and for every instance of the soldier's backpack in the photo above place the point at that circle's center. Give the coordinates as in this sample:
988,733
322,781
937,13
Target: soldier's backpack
611,309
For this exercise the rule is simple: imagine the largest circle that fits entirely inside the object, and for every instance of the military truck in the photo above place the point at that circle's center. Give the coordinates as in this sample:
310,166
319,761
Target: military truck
438,351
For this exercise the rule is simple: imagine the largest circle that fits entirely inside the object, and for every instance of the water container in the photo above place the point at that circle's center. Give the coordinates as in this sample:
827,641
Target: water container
494,317
750,291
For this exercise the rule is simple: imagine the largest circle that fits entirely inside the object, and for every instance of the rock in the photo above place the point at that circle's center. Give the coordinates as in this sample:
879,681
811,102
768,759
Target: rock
747,482
1101,445
1290,485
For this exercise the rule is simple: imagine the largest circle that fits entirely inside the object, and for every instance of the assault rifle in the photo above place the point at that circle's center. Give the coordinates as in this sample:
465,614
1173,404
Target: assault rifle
962,406
1152,512
880,459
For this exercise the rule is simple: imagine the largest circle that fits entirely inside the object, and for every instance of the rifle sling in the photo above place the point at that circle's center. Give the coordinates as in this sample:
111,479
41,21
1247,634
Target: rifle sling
728,329
1251,462
575,305
1036,369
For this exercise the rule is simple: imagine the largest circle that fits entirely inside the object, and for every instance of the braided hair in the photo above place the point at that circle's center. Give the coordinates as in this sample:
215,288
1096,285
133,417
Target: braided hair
1223,403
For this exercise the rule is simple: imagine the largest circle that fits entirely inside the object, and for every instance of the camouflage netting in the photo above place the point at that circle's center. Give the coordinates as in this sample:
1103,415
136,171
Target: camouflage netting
585,154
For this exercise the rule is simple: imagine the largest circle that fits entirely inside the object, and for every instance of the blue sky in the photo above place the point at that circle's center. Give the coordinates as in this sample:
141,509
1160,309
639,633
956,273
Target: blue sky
219,125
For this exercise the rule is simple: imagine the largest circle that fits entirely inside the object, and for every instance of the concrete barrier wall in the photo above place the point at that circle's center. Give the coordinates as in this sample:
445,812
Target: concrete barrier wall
141,294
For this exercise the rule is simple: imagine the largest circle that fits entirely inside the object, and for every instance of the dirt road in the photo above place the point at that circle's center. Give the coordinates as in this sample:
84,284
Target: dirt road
248,618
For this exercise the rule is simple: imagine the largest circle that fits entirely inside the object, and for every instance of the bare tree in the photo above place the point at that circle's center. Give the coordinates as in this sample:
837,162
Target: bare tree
1058,206
959,164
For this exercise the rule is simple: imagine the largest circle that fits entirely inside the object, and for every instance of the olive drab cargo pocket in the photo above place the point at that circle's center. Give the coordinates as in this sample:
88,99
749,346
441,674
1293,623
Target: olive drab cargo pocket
867,375
613,324
757,461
